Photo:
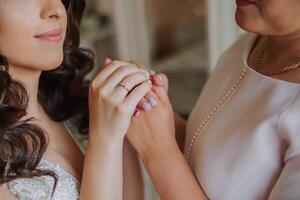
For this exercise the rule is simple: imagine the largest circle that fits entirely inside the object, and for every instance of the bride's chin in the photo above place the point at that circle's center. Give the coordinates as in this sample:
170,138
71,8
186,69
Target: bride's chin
49,68
43,66
50,64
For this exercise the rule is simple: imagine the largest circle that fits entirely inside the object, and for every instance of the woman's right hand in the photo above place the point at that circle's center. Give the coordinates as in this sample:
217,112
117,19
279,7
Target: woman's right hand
111,105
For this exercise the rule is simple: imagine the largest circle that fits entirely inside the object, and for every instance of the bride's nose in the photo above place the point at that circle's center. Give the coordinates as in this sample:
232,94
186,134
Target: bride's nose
52,9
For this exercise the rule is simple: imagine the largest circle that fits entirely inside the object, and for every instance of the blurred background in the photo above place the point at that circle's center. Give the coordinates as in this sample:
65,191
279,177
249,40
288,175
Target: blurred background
181,38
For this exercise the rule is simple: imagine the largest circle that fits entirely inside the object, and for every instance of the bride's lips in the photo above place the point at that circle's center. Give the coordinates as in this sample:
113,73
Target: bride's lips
245,2
54,35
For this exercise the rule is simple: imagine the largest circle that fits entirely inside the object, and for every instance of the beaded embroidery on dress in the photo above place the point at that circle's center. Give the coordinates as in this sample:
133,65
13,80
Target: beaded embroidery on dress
40,188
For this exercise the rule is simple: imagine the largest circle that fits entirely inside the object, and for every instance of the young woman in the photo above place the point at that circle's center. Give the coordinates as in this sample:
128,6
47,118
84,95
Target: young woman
42,84
242,140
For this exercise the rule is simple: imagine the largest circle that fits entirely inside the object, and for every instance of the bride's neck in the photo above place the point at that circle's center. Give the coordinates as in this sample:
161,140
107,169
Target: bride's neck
30,79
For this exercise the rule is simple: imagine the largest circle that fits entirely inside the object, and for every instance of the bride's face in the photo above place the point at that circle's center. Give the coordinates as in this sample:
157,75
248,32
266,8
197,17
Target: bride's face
269,17
32,32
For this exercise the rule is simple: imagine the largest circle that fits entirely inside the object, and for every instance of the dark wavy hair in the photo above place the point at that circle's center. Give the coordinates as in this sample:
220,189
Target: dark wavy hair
63,93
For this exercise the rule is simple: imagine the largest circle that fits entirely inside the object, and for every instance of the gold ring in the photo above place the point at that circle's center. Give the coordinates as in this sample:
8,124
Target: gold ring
124,86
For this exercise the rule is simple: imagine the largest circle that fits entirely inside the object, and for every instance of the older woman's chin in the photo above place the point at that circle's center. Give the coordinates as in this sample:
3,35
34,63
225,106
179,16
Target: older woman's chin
248,25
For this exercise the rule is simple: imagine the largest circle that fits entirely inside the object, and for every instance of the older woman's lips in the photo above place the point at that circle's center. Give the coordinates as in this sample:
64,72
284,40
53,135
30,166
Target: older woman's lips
245,2
51,36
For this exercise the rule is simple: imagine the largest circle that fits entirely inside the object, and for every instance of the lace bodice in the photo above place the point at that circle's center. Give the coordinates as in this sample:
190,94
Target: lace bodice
40,188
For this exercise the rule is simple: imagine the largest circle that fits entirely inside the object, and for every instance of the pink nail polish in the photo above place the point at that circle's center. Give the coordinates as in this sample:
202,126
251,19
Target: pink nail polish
160,78
146,106
152,101
152,73
137,113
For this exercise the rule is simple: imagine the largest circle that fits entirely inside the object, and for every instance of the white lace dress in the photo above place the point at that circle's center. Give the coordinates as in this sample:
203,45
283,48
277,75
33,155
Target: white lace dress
41,188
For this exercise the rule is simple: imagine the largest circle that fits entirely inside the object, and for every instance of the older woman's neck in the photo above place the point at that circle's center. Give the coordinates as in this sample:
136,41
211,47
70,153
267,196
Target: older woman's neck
285,47
30,79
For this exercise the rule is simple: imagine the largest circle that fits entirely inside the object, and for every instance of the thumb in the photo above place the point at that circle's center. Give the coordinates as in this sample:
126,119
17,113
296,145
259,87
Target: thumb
161,80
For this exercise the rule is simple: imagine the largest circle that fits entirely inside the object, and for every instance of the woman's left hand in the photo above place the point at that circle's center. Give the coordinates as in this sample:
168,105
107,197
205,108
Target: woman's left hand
152,134
154,130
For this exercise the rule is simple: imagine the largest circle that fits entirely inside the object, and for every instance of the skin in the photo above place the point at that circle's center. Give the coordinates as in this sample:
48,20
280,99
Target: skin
277,24
275,21
101,172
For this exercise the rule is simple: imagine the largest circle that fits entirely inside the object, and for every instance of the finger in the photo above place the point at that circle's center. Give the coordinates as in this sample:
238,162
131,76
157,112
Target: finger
137,94
136,113
162,94
161,80
108,70
150,100
107,61
144,105
148,69
135,79
129,83
151,72
105,64
140,106
116,77
137,64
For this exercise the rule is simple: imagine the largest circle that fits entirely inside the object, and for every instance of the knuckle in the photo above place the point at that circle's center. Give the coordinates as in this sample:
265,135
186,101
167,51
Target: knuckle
142,75
122,69
93,85
111,100
122,109
145,85
137,77
128,80
102,93
115,62
133,67
140,90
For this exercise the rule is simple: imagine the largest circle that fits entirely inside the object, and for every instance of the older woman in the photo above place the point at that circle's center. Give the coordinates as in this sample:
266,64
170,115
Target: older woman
243,138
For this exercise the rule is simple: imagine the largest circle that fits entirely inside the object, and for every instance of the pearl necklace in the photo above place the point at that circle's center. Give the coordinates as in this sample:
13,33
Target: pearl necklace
213,112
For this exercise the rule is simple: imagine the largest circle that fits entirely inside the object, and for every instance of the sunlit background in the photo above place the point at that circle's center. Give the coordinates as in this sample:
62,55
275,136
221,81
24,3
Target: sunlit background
181,38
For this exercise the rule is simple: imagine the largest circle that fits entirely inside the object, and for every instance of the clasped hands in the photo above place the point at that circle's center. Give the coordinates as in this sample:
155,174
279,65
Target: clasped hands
126,100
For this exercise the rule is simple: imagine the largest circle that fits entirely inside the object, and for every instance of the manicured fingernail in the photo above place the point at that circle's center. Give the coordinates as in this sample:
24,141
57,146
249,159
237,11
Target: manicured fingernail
146,73
146,106
136,113
152,73
152,101
160,78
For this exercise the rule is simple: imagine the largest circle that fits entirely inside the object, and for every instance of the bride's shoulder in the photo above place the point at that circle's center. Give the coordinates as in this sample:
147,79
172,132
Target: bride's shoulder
5,193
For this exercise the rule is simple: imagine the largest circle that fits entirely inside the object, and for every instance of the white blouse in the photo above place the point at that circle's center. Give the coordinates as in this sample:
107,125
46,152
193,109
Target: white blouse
243,137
